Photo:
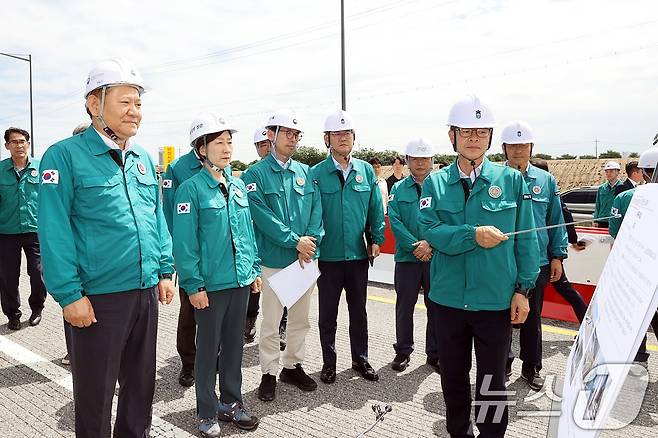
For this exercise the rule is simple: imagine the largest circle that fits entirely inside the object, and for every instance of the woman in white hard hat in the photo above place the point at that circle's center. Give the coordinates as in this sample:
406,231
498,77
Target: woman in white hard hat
216,255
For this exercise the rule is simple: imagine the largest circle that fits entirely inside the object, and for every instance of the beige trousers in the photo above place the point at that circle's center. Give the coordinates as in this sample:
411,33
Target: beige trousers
298,325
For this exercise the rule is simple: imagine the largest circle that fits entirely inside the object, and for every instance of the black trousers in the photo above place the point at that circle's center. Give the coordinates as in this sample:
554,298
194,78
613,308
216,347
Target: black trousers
254,306
10,271
334,277
409,278
566,290
186,331
489,332
120,346
642,354
220,332
530,331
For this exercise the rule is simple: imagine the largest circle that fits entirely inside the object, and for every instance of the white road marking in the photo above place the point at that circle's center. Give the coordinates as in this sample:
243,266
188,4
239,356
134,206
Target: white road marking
63,378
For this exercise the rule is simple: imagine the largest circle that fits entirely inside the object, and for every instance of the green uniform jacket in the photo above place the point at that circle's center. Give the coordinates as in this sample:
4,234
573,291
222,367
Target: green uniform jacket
547,210
404,217
101,227
348,211
285,205
619,206
178,171
463,274
214,242
19,197
604,197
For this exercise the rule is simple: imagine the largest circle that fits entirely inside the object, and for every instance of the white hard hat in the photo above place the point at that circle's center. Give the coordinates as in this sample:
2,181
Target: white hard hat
284,118
338,121
419,147
517,132
648,159
612,165
260,134
117,71
470,112
208,123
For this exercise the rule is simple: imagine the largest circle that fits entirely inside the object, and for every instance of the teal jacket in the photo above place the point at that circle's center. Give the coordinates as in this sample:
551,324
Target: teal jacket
404,218
19,197
547,211
178,171
463,274
604,197
619,206
214,244
349,211
101,227
285,205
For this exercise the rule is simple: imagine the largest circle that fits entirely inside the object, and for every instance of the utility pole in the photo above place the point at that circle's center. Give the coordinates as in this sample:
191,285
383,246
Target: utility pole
342,53
28,59
596,148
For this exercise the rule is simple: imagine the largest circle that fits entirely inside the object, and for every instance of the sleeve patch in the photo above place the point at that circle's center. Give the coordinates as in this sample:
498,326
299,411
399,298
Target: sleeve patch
183,208
166,184
425,202
614,211
251,187
527,196
50,177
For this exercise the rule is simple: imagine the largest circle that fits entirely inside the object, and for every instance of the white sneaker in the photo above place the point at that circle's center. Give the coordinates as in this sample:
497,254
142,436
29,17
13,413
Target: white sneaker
209,428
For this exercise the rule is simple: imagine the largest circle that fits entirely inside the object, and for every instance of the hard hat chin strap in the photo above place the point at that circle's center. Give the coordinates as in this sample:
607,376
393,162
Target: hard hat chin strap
106,129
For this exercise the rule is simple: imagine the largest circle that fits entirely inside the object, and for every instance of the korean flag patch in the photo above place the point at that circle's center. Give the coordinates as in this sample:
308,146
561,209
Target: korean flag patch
166,183
251,187
425,202
183,208
50,177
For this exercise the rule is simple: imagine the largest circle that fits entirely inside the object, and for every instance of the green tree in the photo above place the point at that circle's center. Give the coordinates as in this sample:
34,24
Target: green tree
633,155
566,157
497,158
444,158
587,157
543,156
238,165
610,154
309,155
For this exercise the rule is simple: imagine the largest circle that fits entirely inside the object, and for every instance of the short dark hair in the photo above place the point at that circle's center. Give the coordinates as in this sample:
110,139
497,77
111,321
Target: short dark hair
374,161
539,162
12,130
209,138
399,158
631,167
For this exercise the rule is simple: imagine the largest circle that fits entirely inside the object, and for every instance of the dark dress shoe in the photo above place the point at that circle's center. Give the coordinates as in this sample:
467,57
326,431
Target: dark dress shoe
401,362
250,330
434,363
530,374
35,319
14,324
298,377
328,374
186,378
267,388
365,370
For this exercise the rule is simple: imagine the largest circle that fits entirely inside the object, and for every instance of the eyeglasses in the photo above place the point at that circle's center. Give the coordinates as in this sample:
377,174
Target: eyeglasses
17,142
337,134
468,132
291,135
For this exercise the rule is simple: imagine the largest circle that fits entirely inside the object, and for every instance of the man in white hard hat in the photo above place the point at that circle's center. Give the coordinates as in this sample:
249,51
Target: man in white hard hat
286,210
351,208
606,193
647,163
479,276
412,257
518,142
106,255
263,146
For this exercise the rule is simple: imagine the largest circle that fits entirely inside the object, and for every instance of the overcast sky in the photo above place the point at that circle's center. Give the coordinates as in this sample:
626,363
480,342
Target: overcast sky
575,70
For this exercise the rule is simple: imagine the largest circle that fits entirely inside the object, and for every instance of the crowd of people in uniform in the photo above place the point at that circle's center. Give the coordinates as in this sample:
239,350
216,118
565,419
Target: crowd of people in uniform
106,238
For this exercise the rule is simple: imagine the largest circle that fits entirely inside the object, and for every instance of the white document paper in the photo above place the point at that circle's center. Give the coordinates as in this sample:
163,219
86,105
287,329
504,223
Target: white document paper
292,282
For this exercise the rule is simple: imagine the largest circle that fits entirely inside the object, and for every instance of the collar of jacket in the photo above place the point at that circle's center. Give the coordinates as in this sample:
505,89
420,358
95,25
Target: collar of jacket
97,146
211,181
486,173
294,166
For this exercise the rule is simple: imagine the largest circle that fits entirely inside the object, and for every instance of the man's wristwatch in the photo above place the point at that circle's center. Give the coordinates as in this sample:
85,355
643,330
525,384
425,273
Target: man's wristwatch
167,276
524,292
201,289
560,258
